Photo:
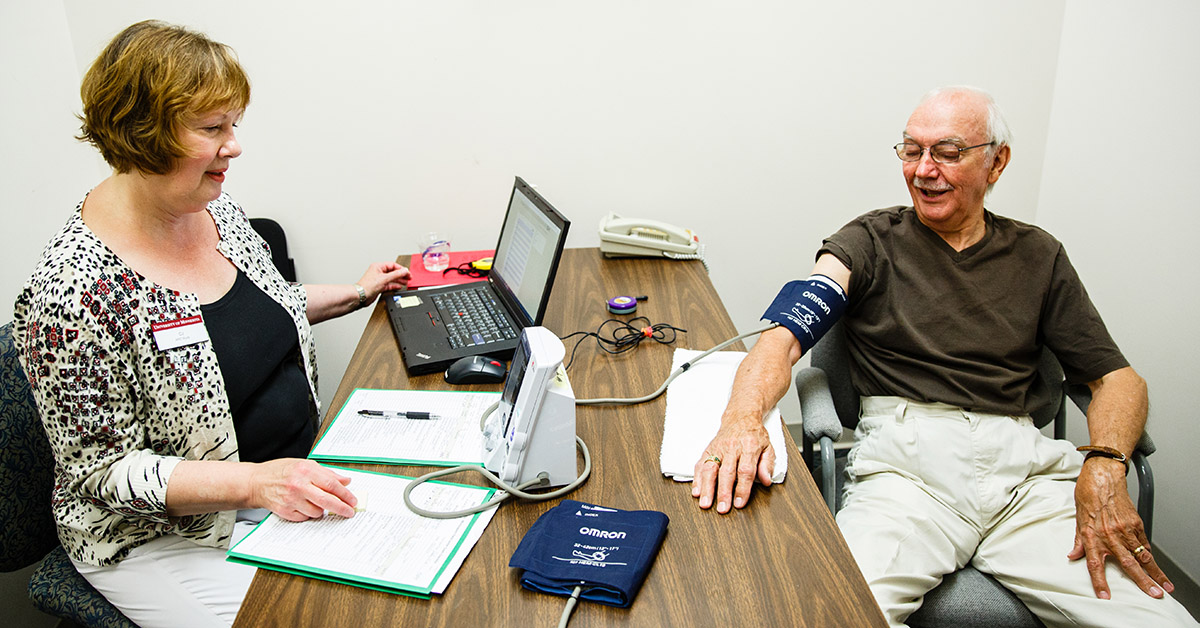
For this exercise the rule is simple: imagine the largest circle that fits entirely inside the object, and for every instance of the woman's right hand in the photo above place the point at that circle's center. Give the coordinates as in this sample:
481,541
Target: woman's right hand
298,489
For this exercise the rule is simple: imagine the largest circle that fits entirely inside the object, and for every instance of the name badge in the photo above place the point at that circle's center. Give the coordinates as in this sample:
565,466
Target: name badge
179,333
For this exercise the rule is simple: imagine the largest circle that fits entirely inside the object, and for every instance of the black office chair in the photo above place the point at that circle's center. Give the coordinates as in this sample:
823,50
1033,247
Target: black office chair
27,530
967,598
270,231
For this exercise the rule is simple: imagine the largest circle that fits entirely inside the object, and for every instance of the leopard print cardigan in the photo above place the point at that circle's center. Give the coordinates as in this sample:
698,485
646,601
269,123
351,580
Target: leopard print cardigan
121,414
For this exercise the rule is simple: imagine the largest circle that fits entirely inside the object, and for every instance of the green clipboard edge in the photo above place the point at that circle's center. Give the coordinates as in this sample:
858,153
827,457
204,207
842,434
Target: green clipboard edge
327,577
390,461
361,581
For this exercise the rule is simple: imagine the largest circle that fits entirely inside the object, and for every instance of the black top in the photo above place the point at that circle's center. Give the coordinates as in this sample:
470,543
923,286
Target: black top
259,353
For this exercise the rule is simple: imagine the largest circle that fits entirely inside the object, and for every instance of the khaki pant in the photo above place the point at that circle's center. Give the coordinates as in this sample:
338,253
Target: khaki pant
931,488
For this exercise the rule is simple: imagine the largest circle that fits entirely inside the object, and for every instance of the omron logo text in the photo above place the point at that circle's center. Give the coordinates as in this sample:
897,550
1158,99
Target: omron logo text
604,534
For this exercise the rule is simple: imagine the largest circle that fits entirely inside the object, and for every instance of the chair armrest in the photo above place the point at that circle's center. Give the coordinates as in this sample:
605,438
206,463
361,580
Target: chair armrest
1145,481
818,414
1080,394
829,474
1145,444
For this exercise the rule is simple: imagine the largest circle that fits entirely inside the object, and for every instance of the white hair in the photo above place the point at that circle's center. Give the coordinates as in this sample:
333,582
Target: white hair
997,126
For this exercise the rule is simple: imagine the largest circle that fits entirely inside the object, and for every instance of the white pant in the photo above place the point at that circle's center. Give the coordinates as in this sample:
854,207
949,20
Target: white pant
931,488
175,583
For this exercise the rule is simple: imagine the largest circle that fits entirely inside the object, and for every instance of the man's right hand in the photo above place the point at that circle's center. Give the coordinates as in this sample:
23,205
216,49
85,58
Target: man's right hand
740,453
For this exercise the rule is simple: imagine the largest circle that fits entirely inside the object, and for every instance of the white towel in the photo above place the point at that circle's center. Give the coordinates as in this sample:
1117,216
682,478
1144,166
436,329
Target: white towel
695,402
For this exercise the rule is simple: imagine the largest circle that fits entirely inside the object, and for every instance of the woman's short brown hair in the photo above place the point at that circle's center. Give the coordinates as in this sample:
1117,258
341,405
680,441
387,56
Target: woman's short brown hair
143,87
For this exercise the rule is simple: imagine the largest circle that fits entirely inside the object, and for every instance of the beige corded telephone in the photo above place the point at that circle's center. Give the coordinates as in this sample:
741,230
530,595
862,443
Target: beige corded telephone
639,237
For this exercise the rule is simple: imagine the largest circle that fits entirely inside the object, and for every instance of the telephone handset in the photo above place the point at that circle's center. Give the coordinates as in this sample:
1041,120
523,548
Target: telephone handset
639,237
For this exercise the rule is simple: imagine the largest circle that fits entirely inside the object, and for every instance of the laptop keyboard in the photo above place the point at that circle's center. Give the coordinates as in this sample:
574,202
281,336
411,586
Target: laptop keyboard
472,317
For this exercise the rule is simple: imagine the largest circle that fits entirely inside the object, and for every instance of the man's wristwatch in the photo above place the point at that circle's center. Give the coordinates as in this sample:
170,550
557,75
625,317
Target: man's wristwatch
362,295
1105,452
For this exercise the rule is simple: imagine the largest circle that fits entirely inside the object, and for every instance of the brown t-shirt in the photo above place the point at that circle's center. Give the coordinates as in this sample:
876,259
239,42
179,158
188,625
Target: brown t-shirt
967,327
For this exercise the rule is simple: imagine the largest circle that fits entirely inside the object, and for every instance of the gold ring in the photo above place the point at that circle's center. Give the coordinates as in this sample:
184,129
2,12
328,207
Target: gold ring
716,459
1139,549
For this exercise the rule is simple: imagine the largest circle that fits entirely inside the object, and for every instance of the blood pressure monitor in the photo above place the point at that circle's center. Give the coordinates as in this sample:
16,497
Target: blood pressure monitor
533,430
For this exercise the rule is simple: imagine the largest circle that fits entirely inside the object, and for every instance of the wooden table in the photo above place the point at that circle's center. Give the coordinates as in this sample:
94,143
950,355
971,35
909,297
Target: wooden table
779,562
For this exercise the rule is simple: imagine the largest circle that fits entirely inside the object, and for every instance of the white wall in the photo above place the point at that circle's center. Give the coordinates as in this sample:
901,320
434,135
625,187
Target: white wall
45,172
763,126
1118,190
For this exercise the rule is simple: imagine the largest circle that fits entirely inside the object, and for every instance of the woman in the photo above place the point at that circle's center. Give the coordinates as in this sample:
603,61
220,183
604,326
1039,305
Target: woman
173,367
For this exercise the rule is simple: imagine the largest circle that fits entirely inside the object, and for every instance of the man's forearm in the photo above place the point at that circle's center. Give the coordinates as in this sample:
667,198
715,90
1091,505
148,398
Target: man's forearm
763,377
1117,414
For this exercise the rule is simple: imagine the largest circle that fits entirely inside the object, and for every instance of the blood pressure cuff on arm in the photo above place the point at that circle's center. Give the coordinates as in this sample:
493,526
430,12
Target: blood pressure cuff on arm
605,551
808,308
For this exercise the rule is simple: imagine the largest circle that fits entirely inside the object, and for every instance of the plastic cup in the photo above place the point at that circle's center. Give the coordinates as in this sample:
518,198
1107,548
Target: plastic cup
435,252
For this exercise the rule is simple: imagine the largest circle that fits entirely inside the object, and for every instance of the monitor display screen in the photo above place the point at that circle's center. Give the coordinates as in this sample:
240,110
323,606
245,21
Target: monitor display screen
512,384
529,253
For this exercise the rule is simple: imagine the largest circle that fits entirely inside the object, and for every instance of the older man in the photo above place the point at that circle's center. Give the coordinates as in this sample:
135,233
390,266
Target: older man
946,308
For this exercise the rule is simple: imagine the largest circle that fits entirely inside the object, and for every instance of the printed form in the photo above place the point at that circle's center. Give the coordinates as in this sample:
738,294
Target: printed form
450,439
386,547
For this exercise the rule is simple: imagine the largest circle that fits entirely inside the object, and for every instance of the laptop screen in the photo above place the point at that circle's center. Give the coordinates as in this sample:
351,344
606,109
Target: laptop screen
528,251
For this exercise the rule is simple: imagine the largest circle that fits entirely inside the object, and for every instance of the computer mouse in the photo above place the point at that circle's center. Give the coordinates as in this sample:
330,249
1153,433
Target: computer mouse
475,369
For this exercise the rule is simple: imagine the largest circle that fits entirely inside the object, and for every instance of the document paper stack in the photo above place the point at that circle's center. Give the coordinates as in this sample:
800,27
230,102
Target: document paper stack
386,547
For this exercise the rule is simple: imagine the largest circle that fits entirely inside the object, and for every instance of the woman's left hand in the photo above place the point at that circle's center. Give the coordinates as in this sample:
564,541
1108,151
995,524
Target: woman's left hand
383,276
326,301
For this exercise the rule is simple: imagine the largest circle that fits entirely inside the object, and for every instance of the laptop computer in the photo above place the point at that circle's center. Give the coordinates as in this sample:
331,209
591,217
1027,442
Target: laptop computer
436,326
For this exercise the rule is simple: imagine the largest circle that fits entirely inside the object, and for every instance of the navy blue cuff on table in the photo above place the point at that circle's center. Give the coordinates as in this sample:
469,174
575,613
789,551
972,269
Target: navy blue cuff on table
808,308
606,551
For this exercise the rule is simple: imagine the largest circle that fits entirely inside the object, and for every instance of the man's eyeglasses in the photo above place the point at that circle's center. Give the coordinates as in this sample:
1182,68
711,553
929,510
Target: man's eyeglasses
942,152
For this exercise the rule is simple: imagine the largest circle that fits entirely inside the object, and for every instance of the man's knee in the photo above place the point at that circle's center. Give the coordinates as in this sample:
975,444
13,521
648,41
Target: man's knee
903,540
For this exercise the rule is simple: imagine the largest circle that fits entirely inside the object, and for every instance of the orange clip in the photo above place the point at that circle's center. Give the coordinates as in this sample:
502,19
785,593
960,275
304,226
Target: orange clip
647,331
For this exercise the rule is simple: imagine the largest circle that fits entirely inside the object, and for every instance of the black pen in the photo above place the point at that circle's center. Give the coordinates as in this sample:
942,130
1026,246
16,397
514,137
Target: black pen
390,414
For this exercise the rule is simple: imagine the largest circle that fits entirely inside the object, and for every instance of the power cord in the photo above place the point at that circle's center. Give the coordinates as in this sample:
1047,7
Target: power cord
566,614
679,371
625,335
507,490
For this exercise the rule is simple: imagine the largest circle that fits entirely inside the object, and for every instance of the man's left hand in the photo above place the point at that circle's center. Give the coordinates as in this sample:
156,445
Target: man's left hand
1107,524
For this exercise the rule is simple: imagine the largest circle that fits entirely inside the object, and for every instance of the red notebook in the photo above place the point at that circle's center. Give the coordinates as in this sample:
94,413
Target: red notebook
422,278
